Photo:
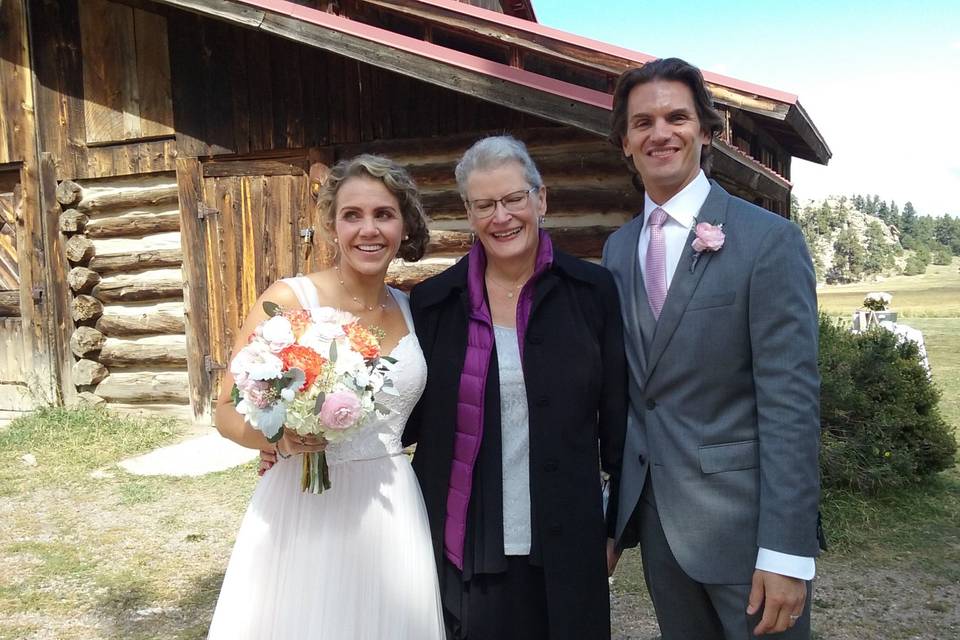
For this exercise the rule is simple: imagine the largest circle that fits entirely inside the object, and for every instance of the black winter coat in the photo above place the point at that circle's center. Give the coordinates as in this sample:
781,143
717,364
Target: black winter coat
575,377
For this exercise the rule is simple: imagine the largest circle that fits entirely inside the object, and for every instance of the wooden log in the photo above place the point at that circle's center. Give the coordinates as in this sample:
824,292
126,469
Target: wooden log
134,225
583,242
9,304
86,340
80,249
161,351
405,275
145,387
138,325
72,221
85,398
82,280
135,261
128,198
88,372
155,242
69,193
84,308
133,291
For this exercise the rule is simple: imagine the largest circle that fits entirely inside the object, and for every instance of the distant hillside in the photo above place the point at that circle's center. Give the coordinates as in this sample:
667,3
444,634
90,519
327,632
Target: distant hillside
861,238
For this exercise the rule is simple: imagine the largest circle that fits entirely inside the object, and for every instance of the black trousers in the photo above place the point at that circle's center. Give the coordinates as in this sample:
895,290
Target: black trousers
500,606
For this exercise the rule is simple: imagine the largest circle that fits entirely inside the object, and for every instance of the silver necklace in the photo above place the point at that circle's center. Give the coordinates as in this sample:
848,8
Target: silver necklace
382,305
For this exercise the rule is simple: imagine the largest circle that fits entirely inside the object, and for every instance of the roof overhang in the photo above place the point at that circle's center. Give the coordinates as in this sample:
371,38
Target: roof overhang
778,110
548,98
518,89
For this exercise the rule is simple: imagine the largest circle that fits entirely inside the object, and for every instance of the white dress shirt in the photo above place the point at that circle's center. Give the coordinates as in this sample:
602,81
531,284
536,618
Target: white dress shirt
682,210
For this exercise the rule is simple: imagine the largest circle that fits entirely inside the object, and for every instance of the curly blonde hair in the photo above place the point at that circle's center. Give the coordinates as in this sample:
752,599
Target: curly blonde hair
397,181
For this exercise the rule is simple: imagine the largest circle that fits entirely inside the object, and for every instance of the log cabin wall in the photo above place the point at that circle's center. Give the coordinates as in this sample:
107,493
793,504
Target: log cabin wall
123,246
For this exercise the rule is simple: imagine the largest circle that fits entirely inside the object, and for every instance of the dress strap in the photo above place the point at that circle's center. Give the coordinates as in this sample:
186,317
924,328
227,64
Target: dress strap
305,291
403,301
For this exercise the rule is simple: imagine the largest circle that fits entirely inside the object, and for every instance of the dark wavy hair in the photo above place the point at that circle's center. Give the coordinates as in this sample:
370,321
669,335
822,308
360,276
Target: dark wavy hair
675,69
397,181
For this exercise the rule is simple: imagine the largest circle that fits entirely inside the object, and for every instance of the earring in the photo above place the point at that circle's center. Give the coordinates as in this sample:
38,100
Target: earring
473,238
405,238
540,221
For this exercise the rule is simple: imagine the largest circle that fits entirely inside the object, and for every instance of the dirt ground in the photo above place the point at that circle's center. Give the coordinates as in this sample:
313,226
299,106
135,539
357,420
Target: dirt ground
850,602
137,558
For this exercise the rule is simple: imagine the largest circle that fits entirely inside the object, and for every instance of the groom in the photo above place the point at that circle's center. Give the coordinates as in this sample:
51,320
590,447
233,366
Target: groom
720,474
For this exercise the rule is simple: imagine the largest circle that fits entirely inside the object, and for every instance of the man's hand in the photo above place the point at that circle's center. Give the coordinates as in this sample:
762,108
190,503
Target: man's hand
782,599
613,556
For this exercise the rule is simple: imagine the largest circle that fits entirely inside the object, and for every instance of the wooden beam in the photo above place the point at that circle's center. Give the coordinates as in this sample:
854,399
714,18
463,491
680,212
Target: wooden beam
136,261
135,224
10,304
125,326
163,351
145,387
189,182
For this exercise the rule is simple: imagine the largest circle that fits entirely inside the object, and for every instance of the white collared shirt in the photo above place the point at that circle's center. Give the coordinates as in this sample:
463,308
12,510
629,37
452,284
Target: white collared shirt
682,210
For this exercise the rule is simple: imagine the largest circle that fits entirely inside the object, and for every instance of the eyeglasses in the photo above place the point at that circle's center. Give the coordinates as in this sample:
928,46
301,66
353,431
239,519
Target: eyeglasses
512,202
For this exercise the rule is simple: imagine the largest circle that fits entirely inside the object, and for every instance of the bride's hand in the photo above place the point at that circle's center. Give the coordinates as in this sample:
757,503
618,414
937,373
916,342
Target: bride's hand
292,443
268,458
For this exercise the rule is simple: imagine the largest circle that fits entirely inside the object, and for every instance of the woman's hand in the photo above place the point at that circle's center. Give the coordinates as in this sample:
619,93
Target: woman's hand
292,443
268,458
289,444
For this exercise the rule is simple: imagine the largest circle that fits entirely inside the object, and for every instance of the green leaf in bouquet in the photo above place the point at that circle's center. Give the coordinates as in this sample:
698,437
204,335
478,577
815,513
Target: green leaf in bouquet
382,409
276,437
271,308
333,352
235,395
389,359
388,388
319,403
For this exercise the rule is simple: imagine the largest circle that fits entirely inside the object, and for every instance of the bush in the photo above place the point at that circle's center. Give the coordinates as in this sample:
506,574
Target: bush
915,266
880,424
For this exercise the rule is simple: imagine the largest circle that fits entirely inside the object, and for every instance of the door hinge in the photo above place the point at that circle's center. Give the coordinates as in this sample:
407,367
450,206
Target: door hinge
306,235
211,365
37,294
203,210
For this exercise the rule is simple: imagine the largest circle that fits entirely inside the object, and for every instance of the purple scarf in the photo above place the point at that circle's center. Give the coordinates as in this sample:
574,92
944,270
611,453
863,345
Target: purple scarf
473,383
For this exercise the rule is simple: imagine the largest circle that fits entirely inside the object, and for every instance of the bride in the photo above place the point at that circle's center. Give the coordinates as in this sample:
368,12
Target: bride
355,561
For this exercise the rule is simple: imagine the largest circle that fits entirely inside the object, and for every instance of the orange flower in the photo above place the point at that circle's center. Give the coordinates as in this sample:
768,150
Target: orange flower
362,340
305,359
299,319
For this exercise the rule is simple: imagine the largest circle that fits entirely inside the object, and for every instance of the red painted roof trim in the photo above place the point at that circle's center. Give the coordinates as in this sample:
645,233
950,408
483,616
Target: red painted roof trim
602,47
436,52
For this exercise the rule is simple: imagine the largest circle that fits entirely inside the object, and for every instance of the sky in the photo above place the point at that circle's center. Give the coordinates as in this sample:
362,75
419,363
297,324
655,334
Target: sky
880,80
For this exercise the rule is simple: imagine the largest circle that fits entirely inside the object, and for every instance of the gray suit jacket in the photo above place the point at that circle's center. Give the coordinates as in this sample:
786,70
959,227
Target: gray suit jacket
724,393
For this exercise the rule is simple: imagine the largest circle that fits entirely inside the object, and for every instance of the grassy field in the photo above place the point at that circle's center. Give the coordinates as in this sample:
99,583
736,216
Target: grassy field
89,551
935,294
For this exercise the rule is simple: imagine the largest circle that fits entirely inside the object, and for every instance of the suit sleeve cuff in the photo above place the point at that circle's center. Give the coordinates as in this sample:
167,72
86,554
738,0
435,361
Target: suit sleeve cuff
786,565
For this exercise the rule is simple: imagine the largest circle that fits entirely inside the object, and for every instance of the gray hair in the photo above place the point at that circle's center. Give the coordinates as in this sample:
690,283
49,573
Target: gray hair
489,153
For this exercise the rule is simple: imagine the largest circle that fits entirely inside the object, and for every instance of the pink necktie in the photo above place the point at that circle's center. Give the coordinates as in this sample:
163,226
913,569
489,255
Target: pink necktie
655,270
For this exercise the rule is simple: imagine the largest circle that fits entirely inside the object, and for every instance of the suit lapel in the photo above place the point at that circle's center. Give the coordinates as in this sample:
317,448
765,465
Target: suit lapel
685,282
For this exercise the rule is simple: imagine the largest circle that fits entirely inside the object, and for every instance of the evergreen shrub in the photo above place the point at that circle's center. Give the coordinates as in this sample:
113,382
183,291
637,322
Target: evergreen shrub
880,423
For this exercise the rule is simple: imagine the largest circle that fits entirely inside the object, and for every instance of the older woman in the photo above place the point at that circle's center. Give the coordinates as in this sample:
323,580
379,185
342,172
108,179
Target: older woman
525,402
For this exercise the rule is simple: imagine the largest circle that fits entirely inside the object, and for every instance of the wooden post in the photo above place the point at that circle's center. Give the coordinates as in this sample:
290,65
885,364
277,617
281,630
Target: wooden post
58,304
193,242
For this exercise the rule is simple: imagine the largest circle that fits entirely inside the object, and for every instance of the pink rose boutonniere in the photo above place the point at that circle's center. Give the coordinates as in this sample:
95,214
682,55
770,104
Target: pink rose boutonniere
709,237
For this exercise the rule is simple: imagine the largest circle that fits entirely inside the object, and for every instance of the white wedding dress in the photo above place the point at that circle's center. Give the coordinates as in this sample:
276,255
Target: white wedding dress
353,563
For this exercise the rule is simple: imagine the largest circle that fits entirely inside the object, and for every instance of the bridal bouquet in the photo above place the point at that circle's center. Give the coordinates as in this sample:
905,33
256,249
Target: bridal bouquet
312,371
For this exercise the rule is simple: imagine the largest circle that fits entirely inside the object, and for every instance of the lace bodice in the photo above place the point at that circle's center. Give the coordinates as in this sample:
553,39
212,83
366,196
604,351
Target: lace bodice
409,375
